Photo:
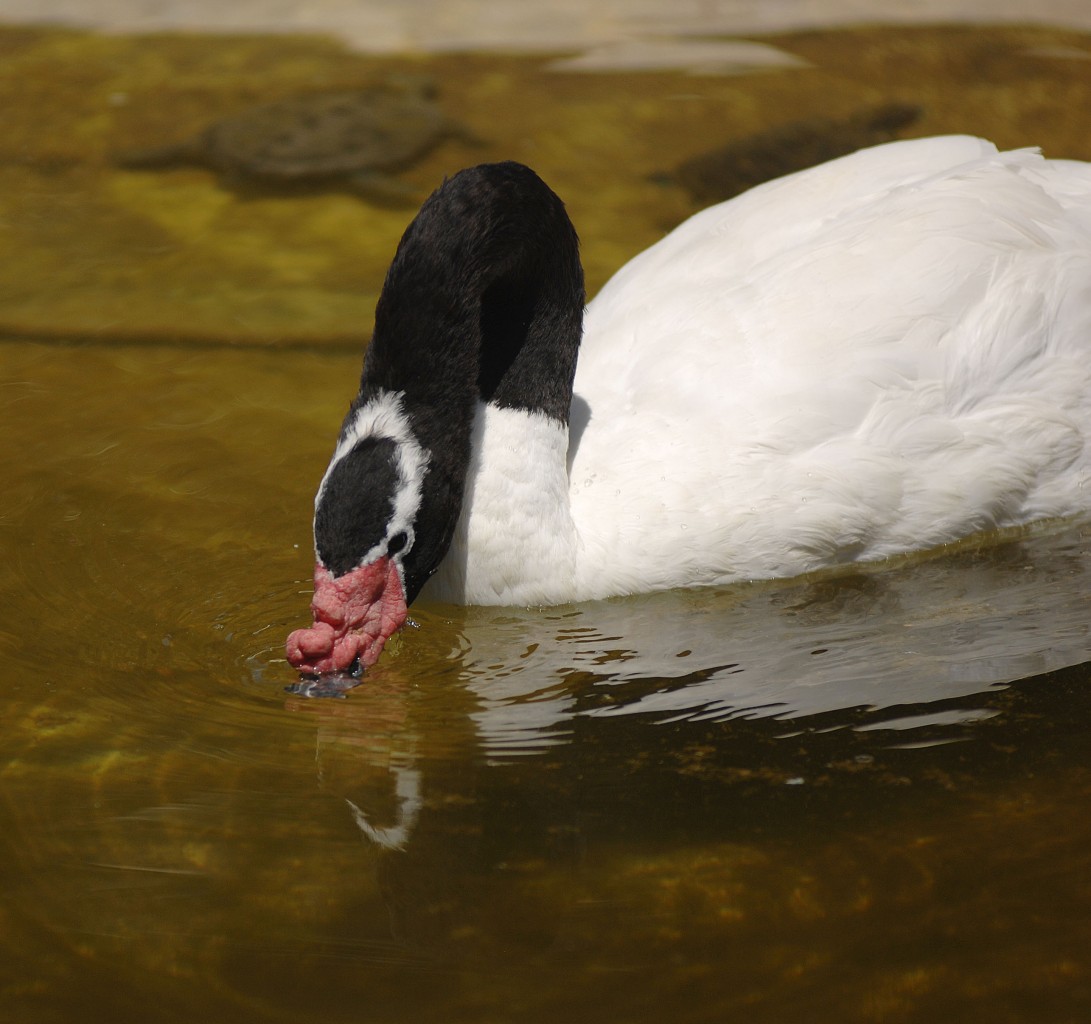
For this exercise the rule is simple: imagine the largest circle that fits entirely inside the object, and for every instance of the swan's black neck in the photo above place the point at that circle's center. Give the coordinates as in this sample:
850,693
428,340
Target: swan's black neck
484,299
483,302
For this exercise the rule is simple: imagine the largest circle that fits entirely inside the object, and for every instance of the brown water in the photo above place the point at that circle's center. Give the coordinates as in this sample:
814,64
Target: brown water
845,799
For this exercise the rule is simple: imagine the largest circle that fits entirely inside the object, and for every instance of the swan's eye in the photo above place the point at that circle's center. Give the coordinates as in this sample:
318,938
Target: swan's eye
397,542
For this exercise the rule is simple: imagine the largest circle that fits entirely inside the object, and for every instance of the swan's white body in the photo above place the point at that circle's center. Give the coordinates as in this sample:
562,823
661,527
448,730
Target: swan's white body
878,355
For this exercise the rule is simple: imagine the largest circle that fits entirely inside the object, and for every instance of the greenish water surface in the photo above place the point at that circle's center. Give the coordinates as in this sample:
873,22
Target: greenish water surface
857,798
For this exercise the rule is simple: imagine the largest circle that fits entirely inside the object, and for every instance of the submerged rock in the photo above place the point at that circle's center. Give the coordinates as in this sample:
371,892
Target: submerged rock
743,163
350,140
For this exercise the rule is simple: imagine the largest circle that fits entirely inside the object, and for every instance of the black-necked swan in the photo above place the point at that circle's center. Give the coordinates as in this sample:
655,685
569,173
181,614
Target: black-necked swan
881,354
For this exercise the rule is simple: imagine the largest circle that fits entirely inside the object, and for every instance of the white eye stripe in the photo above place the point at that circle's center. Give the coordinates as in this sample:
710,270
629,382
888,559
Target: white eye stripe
384,418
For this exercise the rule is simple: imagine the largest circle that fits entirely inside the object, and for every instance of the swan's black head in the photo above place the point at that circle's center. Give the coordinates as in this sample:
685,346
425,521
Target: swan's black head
354,520
379,497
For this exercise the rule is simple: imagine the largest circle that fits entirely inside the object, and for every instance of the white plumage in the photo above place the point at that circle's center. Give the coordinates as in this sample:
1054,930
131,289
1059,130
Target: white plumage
882,354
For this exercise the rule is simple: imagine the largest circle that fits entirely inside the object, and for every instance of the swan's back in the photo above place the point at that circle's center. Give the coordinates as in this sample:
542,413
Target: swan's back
881,354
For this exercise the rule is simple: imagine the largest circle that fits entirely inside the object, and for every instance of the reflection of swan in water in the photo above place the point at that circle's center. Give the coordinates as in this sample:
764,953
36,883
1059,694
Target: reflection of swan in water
924,633
366,755
407,793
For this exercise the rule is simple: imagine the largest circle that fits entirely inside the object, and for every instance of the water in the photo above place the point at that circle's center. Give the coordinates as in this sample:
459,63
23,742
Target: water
855,798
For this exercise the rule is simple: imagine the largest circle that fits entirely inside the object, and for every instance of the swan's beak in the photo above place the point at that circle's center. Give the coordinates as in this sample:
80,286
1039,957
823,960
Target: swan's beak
354,616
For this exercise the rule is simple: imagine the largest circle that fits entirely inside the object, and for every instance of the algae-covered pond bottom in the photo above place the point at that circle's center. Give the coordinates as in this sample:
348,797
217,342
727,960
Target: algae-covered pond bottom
855,798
